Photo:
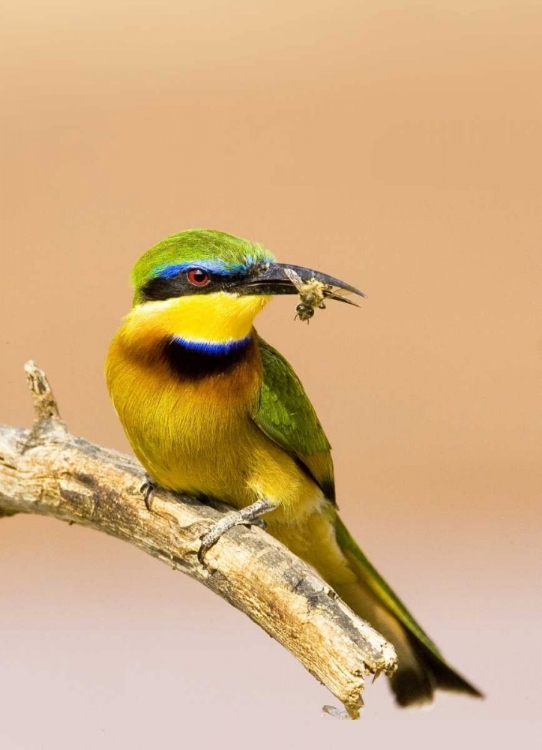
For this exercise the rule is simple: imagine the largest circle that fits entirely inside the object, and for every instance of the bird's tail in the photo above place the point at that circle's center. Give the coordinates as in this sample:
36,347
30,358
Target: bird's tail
326,544
421,667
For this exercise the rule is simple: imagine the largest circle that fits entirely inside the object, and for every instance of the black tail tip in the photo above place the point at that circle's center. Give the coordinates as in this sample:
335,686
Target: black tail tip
417,688
412,687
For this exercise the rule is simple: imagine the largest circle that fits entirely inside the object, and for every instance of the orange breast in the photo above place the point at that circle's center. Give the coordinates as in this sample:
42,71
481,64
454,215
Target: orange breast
183,429
198,435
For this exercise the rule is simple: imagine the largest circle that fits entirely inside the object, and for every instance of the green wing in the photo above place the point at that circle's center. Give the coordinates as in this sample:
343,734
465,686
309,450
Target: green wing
286,415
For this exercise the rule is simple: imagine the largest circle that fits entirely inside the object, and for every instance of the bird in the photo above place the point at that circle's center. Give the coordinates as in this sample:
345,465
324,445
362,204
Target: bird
213,411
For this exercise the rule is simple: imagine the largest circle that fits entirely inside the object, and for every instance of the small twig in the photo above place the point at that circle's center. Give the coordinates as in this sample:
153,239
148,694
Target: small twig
50,472
45,406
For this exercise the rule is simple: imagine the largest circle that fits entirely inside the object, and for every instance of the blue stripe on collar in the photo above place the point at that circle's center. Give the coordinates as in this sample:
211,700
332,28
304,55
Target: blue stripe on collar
212,347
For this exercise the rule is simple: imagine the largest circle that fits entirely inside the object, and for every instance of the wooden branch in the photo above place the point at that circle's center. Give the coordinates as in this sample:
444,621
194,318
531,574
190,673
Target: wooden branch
50,472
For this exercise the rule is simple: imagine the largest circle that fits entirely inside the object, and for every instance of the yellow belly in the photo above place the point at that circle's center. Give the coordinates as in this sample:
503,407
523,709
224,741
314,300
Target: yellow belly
198,437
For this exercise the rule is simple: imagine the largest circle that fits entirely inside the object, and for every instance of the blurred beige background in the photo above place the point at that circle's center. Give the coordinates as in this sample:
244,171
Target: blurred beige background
393,144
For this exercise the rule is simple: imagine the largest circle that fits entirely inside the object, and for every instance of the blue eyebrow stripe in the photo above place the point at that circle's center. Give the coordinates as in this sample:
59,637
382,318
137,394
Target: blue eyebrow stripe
213,266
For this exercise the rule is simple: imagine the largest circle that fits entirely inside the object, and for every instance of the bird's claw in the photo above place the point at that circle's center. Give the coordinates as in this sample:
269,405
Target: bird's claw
259,522
147,488
211,537
249,516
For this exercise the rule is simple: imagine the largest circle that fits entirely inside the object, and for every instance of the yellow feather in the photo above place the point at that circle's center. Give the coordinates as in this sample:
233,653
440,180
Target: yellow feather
213,318
183,430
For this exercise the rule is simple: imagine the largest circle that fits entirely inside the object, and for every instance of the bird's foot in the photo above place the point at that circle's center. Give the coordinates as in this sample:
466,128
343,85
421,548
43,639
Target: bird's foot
249,516
147,488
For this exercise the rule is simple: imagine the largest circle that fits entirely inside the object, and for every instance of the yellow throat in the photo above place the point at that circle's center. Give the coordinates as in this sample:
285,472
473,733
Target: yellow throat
215,318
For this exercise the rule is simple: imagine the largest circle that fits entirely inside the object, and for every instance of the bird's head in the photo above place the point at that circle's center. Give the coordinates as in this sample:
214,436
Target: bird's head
208,286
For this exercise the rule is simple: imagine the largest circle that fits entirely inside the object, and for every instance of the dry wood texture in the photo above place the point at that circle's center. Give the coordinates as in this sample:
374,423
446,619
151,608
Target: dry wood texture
47,471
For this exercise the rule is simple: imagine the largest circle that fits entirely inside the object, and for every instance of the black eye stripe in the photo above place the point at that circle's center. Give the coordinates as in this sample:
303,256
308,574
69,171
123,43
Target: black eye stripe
162,288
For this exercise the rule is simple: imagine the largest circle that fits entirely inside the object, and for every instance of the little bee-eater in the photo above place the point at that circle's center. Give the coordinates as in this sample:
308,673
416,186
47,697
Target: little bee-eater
212,410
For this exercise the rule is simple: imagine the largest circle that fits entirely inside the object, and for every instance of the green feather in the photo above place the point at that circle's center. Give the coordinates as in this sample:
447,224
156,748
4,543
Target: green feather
285,413
194,245
381,588
409,688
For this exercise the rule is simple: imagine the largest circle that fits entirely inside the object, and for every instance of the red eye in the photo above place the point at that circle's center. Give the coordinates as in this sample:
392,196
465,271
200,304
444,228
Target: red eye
197,277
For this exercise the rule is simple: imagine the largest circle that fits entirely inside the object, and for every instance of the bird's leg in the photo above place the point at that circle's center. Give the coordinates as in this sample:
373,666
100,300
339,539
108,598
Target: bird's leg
249,516
147,488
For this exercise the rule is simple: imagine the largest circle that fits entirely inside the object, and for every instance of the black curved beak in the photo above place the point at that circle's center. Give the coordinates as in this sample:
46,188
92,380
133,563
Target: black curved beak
283,278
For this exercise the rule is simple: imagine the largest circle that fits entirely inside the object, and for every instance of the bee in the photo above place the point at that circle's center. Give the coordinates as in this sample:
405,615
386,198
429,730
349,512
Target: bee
311,293
305,312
